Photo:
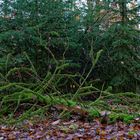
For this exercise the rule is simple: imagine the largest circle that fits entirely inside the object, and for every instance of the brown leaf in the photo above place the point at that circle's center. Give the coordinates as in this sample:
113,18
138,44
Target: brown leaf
11,137
5,128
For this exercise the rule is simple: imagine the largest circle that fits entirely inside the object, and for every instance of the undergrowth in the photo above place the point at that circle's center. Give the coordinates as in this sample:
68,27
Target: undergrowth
22,98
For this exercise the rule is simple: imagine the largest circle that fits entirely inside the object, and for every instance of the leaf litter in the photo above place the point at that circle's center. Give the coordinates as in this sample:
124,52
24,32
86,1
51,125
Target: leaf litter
49,129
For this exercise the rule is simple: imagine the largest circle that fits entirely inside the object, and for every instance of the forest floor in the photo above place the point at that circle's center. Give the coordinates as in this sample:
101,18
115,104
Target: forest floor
70,129
115,120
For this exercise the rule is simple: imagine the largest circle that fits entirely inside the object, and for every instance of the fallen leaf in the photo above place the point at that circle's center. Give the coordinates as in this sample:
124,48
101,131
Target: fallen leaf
11,137
56,122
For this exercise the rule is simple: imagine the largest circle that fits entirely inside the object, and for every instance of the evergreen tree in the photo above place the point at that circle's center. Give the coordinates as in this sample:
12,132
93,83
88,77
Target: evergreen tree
73,33
37,25
121,41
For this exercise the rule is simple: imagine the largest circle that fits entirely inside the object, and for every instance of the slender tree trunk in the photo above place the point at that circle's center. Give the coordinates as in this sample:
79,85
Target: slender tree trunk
123,11
5,8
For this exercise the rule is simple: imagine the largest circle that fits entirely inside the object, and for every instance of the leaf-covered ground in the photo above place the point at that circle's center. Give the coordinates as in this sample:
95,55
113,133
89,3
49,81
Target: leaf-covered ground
73,129
114,120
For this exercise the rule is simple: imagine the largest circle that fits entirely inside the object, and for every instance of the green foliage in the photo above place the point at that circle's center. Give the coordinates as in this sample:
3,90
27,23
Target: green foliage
57,52
93,113
124,117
